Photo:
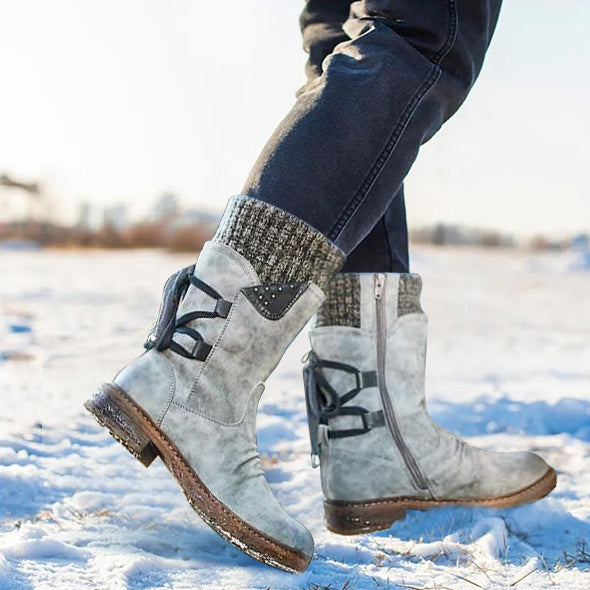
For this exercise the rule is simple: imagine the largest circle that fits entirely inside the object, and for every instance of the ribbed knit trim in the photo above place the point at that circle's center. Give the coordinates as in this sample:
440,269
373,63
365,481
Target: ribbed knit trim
343,304
408,299
279,246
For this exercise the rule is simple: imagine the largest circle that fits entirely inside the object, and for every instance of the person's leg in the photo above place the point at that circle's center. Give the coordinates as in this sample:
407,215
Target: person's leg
341,154
226,321
321,25
191,397
385,247
379,451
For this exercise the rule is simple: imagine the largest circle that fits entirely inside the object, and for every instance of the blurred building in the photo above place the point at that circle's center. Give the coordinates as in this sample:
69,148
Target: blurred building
193,217
165,209
84,216
443,234
116,217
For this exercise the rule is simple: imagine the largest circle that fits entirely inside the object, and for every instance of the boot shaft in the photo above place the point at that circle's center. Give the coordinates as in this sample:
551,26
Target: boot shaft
364,381
374,322
374,325
192,397
225,322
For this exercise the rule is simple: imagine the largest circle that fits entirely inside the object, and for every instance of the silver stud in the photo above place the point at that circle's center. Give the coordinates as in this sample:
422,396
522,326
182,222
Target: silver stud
266,303
259,296
255,289
273,295
280,288
266,288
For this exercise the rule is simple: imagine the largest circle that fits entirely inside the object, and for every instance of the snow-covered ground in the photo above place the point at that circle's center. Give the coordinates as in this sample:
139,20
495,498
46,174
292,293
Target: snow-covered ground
509,368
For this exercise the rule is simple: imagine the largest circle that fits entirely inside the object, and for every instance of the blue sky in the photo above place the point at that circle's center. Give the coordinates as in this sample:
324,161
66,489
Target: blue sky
119,100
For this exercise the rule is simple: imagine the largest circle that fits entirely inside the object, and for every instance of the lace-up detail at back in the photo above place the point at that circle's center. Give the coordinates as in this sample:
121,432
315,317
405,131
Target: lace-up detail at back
167,324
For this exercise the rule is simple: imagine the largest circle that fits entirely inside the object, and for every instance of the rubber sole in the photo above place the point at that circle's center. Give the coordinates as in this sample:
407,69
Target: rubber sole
355,518
129,424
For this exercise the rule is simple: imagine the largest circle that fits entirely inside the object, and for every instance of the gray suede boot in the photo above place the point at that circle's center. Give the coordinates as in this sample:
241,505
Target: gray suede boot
380,452
192,397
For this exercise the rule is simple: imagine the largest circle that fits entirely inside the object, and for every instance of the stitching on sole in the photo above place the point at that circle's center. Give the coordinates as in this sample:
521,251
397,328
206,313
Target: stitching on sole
193,476
550,475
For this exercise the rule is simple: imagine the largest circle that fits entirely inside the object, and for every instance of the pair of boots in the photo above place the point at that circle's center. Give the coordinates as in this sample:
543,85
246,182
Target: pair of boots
223,326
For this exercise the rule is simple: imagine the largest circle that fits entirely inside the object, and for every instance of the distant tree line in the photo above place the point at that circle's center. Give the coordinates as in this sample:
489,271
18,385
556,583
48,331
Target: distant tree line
189,238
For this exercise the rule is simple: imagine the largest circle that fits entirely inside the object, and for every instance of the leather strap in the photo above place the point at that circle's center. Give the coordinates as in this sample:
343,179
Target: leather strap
167,324
325,403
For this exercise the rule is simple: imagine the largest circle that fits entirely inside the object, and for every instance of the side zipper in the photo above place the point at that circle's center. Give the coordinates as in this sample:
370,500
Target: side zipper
388,411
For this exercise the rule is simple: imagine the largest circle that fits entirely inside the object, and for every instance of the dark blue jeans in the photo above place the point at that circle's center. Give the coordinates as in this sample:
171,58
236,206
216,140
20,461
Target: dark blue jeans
383,76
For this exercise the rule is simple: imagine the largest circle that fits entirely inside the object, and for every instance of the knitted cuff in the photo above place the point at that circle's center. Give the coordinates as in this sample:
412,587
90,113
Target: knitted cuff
343,304
408,297
279,246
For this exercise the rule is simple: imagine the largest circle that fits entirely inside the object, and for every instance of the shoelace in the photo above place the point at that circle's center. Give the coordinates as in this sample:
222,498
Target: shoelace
328,403
323,401
161,337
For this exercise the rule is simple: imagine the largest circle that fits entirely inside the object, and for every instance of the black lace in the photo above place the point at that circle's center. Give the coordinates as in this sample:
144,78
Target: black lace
161,337
324,402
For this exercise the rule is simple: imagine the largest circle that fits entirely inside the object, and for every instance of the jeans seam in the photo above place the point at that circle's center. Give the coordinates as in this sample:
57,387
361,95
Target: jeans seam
401,126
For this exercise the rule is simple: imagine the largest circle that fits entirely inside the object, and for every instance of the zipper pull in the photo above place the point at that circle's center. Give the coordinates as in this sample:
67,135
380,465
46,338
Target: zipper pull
379,285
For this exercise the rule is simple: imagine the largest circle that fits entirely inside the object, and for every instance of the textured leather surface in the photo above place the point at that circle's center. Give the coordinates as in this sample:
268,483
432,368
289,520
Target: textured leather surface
226,459
151,381
274,301
246,352
368,466
208,409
